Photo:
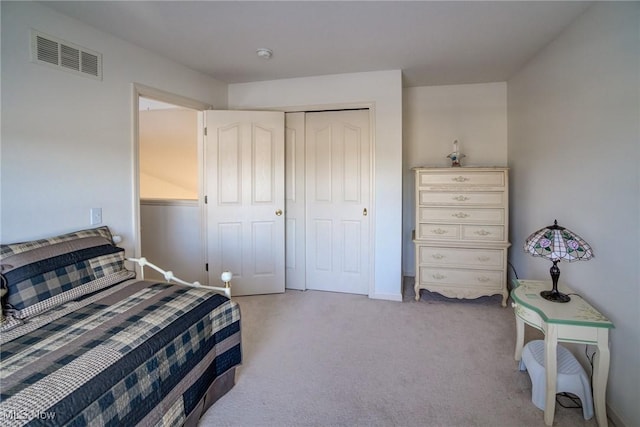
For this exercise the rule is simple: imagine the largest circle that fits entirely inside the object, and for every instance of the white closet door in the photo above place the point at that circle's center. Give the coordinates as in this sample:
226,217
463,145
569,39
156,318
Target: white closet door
338,151
295,201
244,184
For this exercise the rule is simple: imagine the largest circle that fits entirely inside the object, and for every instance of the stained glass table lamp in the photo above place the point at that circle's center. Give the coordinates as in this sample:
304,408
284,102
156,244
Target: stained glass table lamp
557,243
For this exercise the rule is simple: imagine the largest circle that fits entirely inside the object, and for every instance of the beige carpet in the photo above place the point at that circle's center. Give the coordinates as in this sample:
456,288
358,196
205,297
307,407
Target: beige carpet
327,359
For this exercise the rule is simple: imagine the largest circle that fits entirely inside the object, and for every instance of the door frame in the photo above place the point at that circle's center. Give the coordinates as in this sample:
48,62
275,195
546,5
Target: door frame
140,90
371,106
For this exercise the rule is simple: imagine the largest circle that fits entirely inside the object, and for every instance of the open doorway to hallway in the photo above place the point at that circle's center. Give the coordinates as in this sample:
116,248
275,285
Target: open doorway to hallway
170,218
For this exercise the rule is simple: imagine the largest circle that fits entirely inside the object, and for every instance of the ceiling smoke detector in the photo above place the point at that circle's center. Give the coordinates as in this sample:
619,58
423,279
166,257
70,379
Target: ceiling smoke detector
264,53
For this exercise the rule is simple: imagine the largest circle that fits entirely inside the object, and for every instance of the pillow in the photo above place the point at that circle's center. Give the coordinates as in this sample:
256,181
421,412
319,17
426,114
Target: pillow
46,273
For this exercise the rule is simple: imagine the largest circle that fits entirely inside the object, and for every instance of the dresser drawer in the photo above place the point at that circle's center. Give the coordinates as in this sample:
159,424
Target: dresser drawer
491,259
485,279
486,233
461,215
441,198
461,178
438,231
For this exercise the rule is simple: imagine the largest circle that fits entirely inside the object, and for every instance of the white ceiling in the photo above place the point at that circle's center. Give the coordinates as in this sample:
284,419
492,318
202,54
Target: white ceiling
432,42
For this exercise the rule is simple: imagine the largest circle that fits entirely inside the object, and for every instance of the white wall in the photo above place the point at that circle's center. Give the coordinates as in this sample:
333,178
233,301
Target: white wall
168,146
178,247
153,187
67,140
435,116
384,89
574,138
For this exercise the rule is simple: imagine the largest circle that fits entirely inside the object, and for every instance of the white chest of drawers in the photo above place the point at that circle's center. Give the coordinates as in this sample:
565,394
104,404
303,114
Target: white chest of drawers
461,231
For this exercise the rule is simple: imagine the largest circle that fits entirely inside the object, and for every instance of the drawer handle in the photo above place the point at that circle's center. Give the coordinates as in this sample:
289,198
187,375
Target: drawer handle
437,256
483,279
460,179
438,276
484,258
461,198
461,215
439,231
483,232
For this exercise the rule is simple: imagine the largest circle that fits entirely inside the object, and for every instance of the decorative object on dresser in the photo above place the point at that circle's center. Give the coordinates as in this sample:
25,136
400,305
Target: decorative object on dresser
461,231
455,155
557,243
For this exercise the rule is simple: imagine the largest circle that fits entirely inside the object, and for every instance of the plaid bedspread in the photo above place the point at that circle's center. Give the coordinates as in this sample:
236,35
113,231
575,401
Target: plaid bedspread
140,353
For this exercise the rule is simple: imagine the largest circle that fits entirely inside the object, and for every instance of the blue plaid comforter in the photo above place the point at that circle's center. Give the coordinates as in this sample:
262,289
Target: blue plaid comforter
139,353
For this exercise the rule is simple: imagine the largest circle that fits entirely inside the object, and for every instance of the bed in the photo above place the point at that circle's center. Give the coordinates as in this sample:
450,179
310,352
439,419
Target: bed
83,342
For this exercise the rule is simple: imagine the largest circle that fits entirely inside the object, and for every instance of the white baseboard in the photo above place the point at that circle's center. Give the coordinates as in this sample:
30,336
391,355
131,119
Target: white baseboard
388,297
614,418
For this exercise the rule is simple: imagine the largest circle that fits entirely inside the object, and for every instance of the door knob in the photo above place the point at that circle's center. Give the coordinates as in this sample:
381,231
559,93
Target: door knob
364,212
279,212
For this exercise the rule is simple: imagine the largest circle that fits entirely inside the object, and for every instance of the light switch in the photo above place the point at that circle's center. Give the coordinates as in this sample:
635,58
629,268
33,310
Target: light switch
96,216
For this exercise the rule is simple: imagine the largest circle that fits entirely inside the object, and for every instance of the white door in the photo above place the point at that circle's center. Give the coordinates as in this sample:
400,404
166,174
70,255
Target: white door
338,152
295,201
244,187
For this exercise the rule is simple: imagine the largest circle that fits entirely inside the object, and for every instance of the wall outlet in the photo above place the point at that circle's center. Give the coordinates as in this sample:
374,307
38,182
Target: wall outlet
96,216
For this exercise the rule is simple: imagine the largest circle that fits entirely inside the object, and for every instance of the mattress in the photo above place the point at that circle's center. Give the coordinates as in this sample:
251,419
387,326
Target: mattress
137,353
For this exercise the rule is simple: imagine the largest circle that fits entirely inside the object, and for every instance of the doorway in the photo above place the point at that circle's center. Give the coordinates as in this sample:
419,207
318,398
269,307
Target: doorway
167,177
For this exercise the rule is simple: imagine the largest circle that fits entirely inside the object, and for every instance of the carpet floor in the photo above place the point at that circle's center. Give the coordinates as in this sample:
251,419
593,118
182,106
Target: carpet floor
327,359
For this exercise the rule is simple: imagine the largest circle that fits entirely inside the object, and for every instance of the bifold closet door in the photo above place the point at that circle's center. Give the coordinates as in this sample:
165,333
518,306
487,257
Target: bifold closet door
295,201
338,156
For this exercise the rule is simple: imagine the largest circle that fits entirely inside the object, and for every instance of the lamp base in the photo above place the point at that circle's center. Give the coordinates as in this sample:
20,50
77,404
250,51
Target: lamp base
555,296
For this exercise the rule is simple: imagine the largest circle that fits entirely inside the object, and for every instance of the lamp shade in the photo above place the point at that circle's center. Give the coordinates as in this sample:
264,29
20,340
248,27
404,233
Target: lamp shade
558,243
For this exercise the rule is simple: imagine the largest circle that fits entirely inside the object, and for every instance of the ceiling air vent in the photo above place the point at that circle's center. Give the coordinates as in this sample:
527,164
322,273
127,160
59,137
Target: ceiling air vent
66,56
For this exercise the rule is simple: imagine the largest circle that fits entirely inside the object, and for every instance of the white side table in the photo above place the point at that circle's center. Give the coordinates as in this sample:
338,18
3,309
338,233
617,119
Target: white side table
576,321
